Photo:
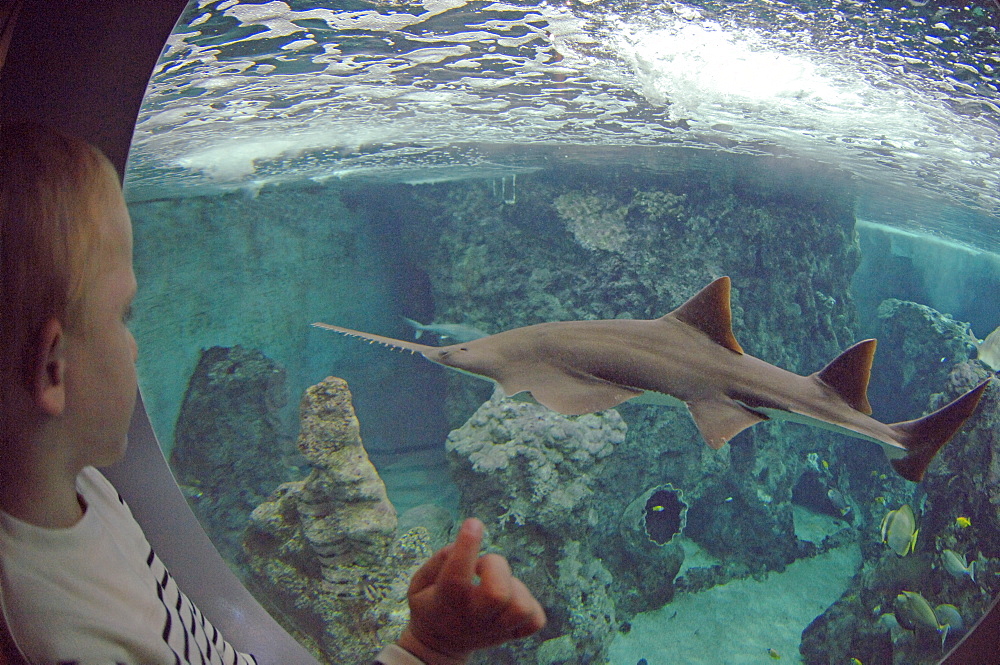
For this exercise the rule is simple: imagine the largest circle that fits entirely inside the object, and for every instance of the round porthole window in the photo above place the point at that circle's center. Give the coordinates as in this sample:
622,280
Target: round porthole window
406,262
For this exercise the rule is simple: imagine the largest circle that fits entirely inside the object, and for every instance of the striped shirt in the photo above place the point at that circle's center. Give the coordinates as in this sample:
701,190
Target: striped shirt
96,593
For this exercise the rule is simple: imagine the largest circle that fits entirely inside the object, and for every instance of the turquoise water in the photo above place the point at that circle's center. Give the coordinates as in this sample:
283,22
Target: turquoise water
501,164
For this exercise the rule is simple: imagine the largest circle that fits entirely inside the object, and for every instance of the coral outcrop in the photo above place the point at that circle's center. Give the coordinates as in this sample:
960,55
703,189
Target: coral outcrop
918,346
229,448
528,473
325,549
595,223
533,464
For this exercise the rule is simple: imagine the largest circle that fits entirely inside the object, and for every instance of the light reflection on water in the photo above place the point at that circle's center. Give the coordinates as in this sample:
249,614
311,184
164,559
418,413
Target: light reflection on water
904,98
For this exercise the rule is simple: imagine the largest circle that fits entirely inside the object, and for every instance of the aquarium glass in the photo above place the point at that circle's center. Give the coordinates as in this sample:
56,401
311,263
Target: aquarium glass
440,171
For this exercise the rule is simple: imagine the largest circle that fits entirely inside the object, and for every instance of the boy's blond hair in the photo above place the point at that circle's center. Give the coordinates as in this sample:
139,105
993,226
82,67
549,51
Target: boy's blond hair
53,190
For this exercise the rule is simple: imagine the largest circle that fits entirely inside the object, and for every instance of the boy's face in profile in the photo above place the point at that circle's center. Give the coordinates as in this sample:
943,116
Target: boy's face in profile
101,352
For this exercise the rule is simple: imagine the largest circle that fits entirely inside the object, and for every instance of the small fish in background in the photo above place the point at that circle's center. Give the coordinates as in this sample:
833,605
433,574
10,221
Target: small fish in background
455,332
888,622
963,522
899,530
642,661
774,654
191,492
948,615
915,613
839,501
855,661
988,350
956,564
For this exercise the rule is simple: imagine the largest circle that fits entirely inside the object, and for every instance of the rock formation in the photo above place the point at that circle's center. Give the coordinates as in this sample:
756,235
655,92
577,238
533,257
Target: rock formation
324,550
228,451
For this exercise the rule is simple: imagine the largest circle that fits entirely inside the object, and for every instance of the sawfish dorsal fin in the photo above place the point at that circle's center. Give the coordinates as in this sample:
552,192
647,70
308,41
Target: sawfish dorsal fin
709,311
848,375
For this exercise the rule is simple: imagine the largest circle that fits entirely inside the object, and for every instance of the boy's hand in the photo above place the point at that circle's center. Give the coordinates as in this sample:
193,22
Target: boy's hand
451,615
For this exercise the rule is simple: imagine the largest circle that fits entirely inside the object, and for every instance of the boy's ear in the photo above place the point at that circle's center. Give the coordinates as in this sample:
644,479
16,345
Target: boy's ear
48,369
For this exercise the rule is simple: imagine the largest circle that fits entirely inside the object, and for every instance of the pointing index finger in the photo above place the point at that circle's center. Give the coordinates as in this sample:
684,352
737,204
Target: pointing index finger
460,567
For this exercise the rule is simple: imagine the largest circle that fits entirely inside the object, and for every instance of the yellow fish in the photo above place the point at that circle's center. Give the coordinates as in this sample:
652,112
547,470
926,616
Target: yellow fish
774,654
657,509
899,530
963,522
855,661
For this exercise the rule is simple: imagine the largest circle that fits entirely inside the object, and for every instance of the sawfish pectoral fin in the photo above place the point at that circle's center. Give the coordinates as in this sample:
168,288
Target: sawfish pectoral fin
570,394
719,420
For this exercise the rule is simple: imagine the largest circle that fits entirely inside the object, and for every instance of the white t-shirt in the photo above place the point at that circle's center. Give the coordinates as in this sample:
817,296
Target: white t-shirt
96,594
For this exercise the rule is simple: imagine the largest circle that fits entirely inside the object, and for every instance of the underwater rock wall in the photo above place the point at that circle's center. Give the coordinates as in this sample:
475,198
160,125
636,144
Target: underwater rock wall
918,346
257,271
325,551
230,447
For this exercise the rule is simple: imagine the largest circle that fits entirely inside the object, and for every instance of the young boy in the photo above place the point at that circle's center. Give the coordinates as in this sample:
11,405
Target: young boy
78,580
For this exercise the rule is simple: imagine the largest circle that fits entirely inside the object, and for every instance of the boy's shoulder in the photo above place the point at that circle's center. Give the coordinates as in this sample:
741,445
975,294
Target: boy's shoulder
92,483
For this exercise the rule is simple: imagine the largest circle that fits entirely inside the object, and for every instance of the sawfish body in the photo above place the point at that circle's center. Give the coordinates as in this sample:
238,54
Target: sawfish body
690,357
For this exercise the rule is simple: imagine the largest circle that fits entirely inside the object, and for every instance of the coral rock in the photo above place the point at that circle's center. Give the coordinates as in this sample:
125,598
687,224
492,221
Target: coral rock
228,451
539,463
325,548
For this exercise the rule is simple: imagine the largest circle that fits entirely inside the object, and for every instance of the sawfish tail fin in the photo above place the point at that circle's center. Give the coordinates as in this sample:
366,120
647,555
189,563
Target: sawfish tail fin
924,437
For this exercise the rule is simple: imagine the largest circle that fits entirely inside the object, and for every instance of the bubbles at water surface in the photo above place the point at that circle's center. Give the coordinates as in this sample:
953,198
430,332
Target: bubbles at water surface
905,97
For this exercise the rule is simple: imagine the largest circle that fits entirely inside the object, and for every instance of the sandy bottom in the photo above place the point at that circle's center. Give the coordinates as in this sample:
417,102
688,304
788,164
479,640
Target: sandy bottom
415,478
736,623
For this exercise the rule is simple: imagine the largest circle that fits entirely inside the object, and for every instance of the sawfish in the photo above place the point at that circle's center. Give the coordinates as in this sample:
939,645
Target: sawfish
691,358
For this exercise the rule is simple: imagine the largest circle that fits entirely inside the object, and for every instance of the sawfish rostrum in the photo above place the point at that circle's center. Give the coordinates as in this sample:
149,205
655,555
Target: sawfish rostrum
690,357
